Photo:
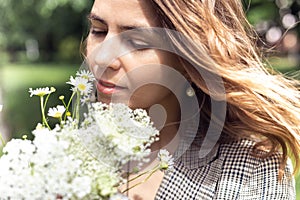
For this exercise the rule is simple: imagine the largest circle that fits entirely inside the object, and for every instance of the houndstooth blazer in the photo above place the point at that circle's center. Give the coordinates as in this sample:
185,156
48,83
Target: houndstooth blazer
228,172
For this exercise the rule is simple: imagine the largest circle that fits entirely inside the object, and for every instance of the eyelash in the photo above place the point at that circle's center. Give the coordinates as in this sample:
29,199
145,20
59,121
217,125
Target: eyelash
131,42
135,44
98,33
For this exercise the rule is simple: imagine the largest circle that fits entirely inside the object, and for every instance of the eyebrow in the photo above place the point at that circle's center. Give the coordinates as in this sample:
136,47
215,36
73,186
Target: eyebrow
95,17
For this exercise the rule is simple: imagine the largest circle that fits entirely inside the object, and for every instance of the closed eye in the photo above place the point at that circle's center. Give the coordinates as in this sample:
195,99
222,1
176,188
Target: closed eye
138,44
98,32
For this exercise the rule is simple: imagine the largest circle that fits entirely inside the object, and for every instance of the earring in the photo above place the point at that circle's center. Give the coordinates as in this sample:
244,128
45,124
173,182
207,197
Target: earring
190,92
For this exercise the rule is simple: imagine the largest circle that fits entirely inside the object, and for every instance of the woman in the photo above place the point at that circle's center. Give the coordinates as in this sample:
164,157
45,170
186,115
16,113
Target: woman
211,45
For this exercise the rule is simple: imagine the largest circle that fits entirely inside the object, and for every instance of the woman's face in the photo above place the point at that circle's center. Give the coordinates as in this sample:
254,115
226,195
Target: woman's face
132,75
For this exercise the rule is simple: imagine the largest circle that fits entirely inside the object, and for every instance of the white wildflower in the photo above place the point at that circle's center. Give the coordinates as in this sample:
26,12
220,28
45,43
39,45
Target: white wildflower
85,100
1,106
82,186
39,126
166,160
41,91
56,112
121,128
81,84
86,74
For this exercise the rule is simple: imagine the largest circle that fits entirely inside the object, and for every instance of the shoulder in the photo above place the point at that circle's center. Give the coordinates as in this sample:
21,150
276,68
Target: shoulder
239,156
242,157
250,176
233,172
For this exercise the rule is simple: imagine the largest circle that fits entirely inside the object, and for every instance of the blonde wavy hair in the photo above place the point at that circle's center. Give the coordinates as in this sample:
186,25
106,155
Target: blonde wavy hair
261,104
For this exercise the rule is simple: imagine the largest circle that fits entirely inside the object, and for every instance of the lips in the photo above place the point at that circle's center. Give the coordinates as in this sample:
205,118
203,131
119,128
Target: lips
107,84
108,88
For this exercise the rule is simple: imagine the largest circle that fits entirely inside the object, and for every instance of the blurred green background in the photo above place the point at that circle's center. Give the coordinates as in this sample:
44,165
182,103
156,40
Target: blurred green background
40,46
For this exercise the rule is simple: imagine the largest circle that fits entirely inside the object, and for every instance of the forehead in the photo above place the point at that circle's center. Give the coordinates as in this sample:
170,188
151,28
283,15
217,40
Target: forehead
125,12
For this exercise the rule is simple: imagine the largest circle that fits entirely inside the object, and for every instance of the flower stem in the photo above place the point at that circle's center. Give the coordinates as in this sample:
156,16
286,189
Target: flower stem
151,172
46,101
69,103
63,101
142,174
77,106
2,140
44,120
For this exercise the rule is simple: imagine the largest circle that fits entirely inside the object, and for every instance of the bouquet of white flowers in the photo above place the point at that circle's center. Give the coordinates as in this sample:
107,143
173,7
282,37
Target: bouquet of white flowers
77,159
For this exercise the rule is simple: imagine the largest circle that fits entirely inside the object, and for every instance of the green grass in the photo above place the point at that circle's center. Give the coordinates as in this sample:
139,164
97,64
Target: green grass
22,76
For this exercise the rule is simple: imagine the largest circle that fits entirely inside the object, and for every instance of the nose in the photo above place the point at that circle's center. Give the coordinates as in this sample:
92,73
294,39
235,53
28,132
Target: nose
108,53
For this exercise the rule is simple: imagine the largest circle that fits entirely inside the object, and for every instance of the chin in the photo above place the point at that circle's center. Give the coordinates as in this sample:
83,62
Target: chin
103,99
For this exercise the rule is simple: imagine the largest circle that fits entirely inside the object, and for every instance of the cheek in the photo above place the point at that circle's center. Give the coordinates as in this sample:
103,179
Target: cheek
93,44
89,46
151,84
92,50
88,51
148,95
